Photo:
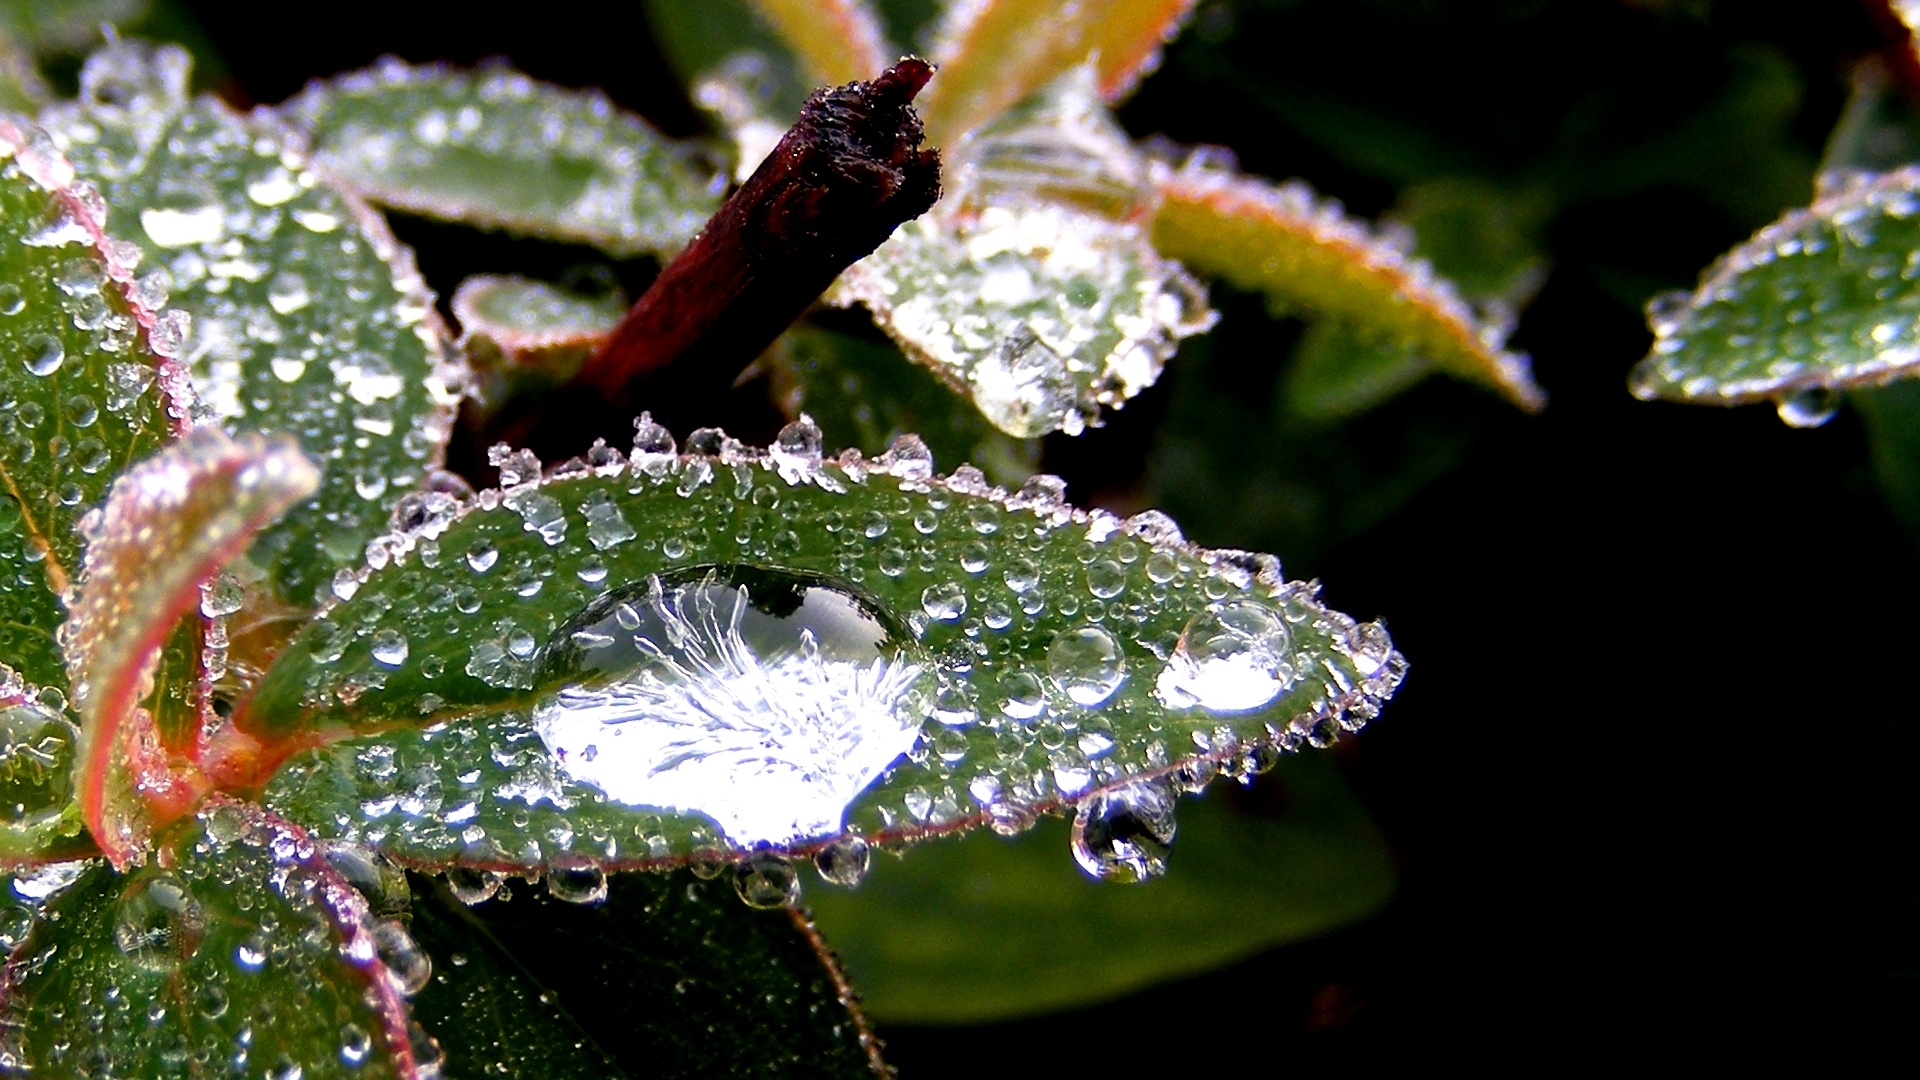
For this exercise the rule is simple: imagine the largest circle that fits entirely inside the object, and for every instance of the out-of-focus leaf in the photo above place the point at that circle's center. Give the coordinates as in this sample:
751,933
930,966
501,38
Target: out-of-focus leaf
982,929
841,645
839,41
993,53
517,330
22,90
169,525
1031,287
1305,254
80,393
864,394
308,318
1337,372
242,950
705,38
669,975
1822,299
64,25
1878,130
1892,417
495,148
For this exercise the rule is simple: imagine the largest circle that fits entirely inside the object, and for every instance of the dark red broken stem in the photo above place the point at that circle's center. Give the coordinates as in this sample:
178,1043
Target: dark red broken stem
847,173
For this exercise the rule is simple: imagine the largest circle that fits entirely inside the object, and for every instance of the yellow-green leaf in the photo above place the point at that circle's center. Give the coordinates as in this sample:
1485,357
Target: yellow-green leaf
839,41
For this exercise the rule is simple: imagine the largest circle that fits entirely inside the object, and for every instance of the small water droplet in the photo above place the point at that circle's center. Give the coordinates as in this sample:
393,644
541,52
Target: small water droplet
407,964
1126,834
1809,407
482,555
471,886
389,647
44,354
287,292
946,601
765,879
577,884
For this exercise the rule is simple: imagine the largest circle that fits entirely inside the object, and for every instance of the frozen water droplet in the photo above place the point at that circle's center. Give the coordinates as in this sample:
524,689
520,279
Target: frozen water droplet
221,597
1232,657
577,884
36,765
1087,664
654,451
1809,407
844,862
1126,834
765,879
796,451
606,526
908,458
765,699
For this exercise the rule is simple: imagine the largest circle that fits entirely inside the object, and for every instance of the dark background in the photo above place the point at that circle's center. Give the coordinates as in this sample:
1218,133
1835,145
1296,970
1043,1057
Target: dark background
1650,777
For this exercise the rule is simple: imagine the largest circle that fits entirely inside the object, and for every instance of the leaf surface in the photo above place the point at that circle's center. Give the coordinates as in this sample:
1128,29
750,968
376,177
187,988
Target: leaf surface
247,951
520,331
993,656
495,148
1305,254
308,317
839,41
671,976
993,53
80,393
979,929
200,501
64,25
1822,299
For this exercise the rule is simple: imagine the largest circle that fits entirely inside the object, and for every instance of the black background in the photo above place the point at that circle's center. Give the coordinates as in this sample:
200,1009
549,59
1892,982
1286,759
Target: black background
1651,776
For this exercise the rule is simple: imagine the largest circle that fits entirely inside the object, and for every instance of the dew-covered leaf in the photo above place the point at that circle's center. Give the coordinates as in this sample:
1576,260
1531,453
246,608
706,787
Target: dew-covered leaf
308,317
1822,299
980,929
80,393
64,25
170,524
993,53
1031,287
1305,254
865,393
494,148
243,950
838,41
817,648
669,975
518,330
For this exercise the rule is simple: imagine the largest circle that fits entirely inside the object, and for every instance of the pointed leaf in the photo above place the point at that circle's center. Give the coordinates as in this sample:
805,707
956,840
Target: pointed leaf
978,929
80,393
992,53
670,975
967,655
839,41
495,148
864,394
170,524
243,950
1304,253
308,317
1821,299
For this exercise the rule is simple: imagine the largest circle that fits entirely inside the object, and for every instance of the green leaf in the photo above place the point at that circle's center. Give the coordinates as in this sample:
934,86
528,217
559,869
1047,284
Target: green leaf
993,53
308,317
1821,299
495,148
864,394
1305,254
64,25
986,656
170,524
245,951
1337,371
521,333
669,975
22,90
39,814
1030,287
839,41
980,929
80,394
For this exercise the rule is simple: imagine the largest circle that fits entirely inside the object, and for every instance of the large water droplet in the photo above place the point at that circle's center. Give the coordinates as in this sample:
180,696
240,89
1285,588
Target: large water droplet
765,699
1087,664
184,210
1808,407
844,862
407,964
36,764
158,924
577,884
1230,658
471,886
766,880
1126,834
